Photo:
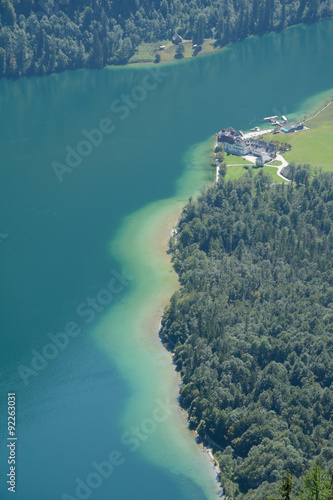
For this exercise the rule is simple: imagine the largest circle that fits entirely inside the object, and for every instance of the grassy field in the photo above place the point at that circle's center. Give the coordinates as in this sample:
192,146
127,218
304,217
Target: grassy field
312,146
235,172
146,52
324,118
235,160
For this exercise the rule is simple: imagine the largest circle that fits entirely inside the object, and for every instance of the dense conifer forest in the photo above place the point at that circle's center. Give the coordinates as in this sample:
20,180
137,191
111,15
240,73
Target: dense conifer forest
45,36
251,328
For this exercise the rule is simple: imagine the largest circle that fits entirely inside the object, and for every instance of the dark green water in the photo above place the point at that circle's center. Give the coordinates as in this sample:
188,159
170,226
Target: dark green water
55,239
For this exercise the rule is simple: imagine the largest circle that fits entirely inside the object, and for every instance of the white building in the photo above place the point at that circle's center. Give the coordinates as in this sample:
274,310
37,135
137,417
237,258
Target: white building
239,148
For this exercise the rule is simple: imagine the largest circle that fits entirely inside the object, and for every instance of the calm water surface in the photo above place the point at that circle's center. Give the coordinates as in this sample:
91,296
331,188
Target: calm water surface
77,404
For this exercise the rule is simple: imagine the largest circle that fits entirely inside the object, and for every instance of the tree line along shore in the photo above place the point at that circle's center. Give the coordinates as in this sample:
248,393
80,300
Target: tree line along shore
41,37
251,327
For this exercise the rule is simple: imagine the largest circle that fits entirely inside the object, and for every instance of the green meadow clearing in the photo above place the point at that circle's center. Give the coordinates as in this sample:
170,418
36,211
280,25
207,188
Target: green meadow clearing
235,160
235,172
146,52
235,168
312,146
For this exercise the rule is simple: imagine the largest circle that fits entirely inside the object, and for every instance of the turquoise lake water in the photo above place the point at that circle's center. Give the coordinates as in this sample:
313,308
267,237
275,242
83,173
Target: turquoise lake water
71,261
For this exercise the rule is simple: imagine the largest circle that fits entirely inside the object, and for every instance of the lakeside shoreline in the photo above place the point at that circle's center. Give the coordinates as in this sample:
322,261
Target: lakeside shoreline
165,231
129,333
203,444
154,48
213,51
192,57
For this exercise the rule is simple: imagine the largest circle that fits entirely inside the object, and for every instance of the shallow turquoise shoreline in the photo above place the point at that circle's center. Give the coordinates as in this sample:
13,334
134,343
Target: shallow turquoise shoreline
129,333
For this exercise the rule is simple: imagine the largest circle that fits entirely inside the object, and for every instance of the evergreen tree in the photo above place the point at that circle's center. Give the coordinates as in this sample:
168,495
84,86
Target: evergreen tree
7,13
125,50
255,16
2,61
219,34
21,57
199,31
96,55
287,486
300,10
283,14
317,485
180,50
164,8
313,9
12,65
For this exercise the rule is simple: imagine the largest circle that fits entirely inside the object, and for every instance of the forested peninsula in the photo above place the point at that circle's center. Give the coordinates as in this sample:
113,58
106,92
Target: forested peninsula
251,327
39,37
